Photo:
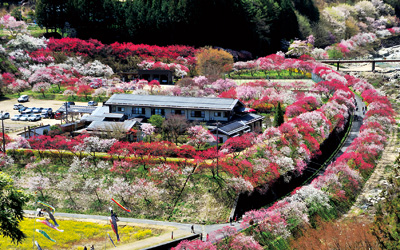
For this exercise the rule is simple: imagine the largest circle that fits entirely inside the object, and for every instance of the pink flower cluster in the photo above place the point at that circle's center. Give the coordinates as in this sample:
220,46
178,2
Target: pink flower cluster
342,179
276,63
178,69
304,104
12,25
354,43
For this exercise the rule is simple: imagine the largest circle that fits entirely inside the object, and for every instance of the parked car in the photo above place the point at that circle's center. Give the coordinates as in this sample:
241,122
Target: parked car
22,109
23,98
18,106
25,117
92,103
5,115
58,115
16,117
47,110
28,110
37,110
35,117
45,115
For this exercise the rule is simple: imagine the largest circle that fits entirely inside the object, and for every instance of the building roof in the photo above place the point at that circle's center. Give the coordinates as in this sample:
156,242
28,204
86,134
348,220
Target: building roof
34,131
233,127
113,115
239,123
100,110
92,118
77,109
108,126
174,102
249,118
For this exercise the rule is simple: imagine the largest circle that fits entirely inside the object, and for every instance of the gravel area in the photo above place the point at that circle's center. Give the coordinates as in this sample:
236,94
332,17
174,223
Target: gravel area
14,127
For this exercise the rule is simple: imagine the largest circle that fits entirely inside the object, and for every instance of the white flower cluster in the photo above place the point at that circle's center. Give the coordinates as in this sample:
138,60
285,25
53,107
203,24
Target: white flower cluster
96,69
20,58
2,51
240,185
383,33
26,42
311,196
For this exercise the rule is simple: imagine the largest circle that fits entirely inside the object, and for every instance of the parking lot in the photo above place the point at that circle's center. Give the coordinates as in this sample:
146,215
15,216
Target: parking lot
12,127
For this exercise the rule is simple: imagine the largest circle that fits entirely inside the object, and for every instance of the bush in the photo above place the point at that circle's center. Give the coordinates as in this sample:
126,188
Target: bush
213,62
335,53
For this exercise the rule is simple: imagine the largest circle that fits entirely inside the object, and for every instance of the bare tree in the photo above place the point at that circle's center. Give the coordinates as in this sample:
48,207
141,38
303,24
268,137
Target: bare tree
115,130
174,126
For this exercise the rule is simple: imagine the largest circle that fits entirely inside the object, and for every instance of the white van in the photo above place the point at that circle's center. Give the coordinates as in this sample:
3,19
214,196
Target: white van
23,98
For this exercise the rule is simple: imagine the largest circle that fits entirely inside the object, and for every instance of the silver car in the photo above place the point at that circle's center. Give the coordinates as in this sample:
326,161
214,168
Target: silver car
4,116
25,117
16,117
36,117
37,110
28,110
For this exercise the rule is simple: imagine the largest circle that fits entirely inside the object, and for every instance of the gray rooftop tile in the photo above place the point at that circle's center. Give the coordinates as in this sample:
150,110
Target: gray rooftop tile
173,101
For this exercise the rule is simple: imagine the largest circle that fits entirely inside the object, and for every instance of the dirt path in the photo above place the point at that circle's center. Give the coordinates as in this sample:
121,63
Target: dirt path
369,195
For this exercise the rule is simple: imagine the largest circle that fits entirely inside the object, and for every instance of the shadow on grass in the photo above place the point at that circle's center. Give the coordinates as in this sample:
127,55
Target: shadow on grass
4,98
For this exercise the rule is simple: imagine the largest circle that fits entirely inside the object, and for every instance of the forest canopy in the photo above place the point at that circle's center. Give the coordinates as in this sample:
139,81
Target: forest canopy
258,26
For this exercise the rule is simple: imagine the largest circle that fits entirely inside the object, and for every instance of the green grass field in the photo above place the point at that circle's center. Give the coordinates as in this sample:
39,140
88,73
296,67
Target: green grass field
76,234
284,74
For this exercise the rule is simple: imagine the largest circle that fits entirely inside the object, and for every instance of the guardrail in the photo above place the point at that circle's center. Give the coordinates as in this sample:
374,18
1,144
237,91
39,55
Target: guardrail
373,61
174,243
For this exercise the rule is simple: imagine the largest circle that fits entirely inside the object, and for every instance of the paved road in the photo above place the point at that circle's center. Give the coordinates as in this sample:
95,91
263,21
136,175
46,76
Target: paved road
359,115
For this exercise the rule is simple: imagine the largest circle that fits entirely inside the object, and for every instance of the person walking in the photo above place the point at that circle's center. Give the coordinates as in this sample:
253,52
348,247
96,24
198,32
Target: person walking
192,228
85,248
92,247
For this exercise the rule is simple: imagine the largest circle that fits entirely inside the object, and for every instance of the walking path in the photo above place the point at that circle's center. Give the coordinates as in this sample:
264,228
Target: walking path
355,128
372,189
183,229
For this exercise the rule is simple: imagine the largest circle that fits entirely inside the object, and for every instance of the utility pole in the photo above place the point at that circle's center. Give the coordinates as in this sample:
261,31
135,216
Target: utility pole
217,147
4,139
66,112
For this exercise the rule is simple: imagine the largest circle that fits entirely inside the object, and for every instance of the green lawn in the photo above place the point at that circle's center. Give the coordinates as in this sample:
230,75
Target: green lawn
284,74
75,235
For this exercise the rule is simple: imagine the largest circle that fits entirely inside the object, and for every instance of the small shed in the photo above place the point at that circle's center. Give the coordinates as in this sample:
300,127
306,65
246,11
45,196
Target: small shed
162,76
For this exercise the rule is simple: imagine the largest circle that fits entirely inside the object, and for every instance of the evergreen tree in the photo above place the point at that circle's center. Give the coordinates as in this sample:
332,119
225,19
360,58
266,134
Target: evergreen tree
12,201
307,8
51,13
278,117
222,23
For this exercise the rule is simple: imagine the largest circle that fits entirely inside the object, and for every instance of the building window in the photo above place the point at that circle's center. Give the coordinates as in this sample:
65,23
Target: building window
158,112
177,112
217,114
120,109
226,114
138,111
197,114
113,109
